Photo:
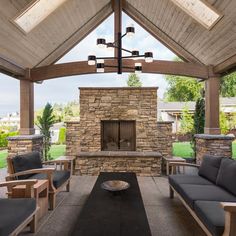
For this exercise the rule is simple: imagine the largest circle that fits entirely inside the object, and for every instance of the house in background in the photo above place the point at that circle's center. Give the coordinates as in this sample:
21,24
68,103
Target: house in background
172,111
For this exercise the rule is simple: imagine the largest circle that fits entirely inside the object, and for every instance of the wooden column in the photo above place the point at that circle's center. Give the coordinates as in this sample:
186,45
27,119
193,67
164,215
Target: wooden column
212,113
26,107
117,6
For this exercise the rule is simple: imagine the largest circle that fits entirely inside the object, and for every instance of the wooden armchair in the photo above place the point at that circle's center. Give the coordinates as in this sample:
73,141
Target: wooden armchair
30,166
16,214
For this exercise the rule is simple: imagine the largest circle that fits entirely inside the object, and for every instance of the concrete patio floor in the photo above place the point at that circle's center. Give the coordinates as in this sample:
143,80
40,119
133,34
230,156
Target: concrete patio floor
167,217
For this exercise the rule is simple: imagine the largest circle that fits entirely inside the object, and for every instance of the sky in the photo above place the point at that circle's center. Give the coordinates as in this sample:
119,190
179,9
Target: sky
63,90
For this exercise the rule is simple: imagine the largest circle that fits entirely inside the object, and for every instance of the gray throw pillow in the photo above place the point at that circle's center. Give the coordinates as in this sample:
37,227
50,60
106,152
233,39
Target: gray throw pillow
227,175
26,161
210,167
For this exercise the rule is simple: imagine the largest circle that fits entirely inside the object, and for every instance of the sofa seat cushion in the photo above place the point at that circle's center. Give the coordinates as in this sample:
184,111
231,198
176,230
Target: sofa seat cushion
25,162
212,216
210,167
59,177
193,192
176,180
227,175
14,212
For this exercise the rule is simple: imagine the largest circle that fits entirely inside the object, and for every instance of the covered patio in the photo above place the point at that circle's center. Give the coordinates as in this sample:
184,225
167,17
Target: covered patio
202,33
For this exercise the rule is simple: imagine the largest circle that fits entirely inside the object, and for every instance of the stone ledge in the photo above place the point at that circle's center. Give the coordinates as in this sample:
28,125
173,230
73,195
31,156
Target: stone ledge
165,122
72,122
25,137
117,88
213,136
119,154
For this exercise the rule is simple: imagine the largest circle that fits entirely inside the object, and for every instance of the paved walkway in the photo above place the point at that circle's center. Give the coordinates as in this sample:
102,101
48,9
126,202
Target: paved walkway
167,217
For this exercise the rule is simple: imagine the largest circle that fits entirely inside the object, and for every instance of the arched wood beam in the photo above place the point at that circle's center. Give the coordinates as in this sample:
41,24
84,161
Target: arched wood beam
156,67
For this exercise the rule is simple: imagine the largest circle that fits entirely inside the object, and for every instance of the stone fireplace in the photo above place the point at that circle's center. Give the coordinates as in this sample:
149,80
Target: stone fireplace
118,131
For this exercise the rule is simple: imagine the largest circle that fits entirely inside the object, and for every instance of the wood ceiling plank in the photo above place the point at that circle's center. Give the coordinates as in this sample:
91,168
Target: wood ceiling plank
158,34
77,36
11,69
226,66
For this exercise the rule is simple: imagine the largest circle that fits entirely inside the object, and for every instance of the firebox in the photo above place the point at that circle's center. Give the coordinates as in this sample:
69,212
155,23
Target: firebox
118,135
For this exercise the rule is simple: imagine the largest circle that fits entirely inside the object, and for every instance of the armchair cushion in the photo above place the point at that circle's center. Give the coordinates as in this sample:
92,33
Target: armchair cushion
227,175
212,215
14,212
26,161
210,167
59,177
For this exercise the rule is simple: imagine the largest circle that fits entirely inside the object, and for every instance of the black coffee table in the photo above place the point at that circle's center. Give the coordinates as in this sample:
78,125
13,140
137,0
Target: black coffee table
108,214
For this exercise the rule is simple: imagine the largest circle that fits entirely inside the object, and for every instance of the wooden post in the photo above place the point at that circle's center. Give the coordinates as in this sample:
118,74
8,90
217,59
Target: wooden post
212,113
117,5
26,106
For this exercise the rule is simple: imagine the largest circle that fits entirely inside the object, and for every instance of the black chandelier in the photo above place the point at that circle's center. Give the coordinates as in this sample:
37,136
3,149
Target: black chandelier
100,63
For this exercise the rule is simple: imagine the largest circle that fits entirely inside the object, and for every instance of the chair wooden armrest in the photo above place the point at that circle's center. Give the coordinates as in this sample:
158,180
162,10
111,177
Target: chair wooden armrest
230,218
47,171
229,206
28,186
174,166
183,164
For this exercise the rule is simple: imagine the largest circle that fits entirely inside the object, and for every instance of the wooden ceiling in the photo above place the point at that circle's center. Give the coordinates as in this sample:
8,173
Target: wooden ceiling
71,22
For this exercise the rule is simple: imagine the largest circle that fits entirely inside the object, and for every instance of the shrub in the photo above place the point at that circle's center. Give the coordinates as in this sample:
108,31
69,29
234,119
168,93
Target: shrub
62,135
4,136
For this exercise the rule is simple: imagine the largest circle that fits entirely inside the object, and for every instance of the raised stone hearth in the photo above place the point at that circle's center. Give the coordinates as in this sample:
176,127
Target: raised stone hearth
127,105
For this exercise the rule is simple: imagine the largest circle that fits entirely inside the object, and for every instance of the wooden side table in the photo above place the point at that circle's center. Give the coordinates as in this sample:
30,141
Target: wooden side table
69,160
172,159
40,194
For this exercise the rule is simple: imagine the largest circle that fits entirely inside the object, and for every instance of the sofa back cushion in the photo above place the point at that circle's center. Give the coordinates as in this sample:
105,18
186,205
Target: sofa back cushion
210,167
227,175
26,161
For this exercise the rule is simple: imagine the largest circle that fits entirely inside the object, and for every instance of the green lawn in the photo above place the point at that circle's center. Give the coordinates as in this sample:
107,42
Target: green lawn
183,149
56,151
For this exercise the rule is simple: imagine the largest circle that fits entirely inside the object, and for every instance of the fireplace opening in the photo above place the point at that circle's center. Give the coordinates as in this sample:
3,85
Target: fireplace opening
118,135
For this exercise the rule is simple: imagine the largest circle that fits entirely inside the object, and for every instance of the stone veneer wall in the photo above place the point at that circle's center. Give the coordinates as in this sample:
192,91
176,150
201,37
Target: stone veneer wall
25,143
216,145
164,138
98,104
72,138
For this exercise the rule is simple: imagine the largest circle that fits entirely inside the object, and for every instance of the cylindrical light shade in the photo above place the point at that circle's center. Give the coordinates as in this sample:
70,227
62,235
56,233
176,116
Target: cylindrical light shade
91,60
135,53
130,31
110,46
148,57
101,43
138,67
100,67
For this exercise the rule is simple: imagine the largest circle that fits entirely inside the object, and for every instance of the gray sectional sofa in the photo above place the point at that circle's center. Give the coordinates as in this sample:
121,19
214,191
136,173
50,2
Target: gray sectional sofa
209,195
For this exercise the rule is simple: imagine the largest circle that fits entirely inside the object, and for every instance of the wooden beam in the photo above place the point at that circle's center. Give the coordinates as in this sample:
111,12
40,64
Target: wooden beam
77,36
157,67
226,66
117,7
212,110
158,34
26,106
11,69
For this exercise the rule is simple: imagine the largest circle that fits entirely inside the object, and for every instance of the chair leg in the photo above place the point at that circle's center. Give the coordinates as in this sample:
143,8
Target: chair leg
171,192
33,224
68,187
52,201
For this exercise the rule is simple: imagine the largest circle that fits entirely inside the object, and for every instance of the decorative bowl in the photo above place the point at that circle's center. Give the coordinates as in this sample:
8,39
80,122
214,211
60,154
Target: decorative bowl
115,185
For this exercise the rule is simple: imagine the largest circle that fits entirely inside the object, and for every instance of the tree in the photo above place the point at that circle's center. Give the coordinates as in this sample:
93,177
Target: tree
182,89
224,123
186,121
134,81
45,122
228,85
199,116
